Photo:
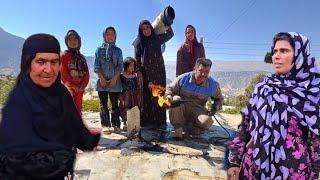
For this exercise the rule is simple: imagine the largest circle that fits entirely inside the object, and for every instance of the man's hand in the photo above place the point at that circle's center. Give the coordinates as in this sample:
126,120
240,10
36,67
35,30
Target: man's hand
168,103
233,173
213,110
169,98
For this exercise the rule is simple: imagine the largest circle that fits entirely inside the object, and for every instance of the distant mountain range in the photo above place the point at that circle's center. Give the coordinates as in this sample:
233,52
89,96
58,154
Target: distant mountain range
10,52
233,76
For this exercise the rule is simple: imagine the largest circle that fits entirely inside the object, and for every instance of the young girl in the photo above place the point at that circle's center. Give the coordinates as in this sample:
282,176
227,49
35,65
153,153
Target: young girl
129,96
108,65
74,68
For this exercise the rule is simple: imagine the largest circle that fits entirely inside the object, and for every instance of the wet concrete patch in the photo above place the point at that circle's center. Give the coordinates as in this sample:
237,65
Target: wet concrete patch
184,174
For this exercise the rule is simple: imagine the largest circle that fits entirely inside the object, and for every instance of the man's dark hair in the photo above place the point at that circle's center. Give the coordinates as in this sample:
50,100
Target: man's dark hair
203,62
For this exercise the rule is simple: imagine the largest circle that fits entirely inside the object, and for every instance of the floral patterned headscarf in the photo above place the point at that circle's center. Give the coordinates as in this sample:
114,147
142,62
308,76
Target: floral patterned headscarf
279,98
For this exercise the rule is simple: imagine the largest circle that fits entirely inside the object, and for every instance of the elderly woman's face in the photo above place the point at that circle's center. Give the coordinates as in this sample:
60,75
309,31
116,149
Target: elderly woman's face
282,57
146,30
44,69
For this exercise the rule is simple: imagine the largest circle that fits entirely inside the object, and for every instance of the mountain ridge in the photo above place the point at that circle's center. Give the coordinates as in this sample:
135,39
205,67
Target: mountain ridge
233,76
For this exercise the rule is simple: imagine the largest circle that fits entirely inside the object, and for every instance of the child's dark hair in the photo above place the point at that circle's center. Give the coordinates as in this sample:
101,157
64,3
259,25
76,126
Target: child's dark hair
127,62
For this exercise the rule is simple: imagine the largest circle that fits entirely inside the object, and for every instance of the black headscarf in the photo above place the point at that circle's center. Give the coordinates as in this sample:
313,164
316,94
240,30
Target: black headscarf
141,38
34,44
51,110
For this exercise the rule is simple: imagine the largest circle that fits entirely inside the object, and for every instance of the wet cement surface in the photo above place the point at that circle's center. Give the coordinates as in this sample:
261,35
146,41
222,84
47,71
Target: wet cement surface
154,155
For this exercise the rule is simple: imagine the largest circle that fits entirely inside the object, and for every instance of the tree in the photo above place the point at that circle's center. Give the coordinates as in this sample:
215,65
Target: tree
242,99
268,58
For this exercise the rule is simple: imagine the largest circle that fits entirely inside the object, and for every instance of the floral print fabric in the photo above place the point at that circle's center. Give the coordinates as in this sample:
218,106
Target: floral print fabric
279,135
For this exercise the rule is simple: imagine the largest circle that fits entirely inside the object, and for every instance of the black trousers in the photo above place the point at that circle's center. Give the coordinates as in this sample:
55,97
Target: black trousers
104,111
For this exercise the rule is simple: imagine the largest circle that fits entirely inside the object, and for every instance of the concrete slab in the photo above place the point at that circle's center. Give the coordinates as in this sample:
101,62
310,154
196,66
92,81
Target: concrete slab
154,156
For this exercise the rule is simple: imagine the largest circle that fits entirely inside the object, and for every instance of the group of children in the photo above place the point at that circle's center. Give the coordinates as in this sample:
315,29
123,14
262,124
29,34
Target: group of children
117,78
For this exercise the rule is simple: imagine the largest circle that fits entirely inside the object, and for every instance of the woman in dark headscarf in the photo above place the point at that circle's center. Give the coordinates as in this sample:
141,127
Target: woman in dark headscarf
151,69
74,68
279,134
40,126
189,52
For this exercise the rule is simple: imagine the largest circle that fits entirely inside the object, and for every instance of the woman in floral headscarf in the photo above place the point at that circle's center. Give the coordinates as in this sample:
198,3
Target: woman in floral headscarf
279,134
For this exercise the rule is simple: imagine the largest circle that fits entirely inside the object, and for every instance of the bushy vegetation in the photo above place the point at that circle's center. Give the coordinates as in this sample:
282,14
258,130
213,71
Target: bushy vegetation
230,111
240,101
91,105
6,85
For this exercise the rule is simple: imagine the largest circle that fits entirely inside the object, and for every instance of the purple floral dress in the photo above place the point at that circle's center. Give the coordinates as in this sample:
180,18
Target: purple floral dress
279,136
298,159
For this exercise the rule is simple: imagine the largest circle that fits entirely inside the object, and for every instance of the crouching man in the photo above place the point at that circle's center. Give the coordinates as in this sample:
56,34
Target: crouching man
188,95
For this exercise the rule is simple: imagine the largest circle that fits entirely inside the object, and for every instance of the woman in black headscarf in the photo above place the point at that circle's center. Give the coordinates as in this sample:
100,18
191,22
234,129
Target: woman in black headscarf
150,67
40,126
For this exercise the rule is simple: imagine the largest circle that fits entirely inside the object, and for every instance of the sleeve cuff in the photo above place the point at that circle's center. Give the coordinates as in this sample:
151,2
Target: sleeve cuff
230,165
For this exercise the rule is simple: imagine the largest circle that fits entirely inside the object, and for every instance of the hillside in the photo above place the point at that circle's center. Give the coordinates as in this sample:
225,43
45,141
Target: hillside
10,52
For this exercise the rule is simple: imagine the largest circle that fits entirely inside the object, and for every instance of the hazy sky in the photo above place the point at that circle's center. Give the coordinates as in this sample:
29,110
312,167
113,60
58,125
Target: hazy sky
232,29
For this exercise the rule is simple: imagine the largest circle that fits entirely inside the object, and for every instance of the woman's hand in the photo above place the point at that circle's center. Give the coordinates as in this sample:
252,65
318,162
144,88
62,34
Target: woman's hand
233,173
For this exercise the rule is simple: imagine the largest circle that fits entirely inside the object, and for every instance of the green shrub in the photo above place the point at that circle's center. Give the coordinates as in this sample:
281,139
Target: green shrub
231,111
6,85
91,105
240,101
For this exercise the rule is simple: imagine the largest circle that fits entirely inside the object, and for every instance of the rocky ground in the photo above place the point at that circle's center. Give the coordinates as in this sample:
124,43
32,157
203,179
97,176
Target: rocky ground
156,155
